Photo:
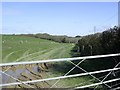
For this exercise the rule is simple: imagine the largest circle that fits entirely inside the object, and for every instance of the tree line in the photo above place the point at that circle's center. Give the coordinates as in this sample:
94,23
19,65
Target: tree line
106,42
60,39
56,38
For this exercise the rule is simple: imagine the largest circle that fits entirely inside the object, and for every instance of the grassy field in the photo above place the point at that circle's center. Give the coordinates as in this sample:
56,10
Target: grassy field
23,48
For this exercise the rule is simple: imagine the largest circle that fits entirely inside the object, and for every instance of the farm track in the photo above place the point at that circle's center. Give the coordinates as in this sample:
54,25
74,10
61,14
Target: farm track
52,52
63,51
38,55
25,55
45,54
28,55
7,56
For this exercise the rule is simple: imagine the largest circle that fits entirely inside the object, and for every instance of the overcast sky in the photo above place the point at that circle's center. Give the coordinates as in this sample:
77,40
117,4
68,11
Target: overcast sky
61,18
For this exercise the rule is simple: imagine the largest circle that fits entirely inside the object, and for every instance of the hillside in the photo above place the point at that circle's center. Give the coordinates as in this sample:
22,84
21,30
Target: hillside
23,48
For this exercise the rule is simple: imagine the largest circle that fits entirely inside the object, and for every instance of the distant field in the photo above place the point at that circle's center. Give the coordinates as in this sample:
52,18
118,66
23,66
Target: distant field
23,48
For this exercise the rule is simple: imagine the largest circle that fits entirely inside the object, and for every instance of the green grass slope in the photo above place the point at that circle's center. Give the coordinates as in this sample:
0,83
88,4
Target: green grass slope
23,48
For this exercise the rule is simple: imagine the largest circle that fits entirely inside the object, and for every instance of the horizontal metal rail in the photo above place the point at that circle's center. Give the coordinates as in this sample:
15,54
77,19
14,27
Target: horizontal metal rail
113,80
61,77
60,60
117,88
